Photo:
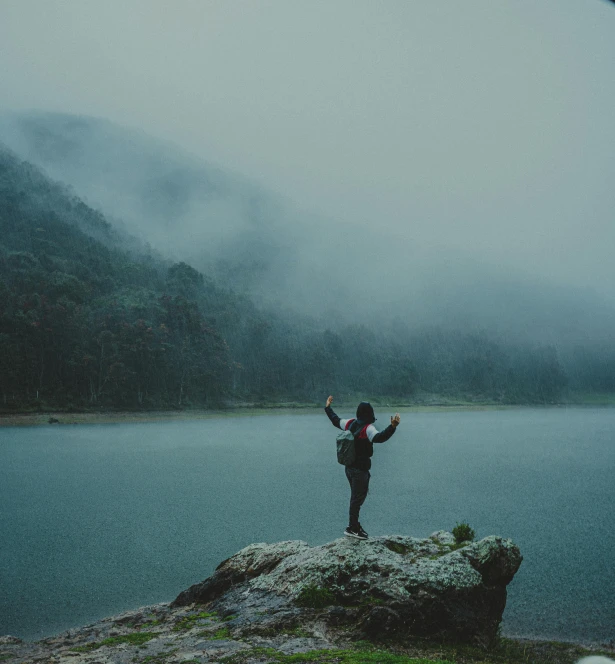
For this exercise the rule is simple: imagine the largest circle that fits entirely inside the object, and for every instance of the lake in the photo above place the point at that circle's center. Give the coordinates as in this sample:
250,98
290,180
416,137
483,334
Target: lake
97,519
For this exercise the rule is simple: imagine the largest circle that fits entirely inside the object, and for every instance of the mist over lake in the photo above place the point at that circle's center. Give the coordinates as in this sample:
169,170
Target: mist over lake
97,519
211,205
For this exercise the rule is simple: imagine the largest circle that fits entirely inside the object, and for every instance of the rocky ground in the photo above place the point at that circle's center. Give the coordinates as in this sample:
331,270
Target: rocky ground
389,599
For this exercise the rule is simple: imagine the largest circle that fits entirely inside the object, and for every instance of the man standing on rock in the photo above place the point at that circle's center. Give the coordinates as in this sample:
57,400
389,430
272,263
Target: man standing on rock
358,474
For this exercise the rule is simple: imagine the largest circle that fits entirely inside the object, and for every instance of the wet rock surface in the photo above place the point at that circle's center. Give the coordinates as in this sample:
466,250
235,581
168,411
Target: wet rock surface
289,597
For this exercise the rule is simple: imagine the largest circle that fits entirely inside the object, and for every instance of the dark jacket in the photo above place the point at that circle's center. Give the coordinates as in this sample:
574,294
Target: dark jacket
364,442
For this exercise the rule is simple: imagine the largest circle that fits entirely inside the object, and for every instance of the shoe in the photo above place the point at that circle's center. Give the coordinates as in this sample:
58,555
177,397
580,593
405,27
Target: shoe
357,532
362,533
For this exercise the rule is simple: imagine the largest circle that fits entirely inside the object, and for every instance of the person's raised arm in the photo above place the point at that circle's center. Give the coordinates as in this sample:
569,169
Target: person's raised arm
335,420
383,436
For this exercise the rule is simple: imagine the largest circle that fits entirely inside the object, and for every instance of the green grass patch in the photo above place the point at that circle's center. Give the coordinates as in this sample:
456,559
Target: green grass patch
250,654
505,651
188,622
370,600
161,658
150,623
136,639
270,631
443,549
314,597
6,655
360,656
219,635
298,632
397,547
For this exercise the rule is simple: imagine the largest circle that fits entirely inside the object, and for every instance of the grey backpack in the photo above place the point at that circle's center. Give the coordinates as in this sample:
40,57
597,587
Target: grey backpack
346,453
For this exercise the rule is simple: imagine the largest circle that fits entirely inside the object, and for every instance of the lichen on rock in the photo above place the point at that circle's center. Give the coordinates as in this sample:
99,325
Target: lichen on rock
395,585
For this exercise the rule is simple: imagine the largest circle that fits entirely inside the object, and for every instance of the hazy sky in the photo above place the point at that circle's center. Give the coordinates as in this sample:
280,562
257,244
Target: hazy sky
484,126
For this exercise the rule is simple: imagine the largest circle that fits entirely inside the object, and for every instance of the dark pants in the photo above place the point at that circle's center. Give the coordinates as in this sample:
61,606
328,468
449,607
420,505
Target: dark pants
359,484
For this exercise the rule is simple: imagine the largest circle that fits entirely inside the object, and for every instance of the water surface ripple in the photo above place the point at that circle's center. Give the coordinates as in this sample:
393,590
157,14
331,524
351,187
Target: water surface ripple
97,519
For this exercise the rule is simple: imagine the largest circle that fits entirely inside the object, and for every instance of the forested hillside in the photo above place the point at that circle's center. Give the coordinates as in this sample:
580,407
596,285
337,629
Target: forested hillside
89,320
283,257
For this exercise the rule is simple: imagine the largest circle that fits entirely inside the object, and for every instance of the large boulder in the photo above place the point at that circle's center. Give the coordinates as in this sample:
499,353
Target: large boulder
382,587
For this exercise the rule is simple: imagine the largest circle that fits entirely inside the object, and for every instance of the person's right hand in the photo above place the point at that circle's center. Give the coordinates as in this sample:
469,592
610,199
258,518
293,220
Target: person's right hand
395,421
329,401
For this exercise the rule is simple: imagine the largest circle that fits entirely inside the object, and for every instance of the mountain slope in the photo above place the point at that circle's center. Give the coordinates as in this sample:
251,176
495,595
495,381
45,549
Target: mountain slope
85,323
249,240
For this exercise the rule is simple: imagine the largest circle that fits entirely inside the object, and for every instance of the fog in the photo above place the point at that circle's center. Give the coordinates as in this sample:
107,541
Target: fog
439,163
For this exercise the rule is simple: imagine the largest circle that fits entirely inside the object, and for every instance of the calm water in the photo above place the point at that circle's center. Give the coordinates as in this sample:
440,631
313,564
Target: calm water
102,518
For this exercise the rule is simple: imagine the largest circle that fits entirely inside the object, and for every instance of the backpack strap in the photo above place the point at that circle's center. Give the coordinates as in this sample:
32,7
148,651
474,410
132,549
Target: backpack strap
356,433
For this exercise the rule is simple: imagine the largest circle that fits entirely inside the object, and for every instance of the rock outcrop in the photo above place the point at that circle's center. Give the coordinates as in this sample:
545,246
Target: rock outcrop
381,587
272,600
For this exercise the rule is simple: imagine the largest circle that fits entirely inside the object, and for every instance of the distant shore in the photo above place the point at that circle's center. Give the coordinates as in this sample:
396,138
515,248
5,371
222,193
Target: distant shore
256,409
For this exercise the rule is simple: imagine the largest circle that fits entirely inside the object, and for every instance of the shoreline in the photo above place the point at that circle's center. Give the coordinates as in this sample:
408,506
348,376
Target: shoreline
161,633
250,410
534,640
520,639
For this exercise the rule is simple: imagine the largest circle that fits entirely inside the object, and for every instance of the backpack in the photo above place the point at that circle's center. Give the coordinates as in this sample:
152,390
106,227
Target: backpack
346,452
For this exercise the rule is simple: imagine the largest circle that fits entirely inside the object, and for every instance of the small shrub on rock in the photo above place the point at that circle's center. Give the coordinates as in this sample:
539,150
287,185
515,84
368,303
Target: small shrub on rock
314,597
463,533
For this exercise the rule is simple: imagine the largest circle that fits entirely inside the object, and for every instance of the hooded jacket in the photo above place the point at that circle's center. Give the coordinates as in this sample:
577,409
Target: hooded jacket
364,423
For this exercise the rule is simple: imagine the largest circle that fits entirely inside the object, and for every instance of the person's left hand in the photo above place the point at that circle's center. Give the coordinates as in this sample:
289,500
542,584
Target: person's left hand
395,420
329,401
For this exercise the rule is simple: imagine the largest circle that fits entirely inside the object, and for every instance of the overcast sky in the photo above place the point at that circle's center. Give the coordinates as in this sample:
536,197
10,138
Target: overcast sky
484,126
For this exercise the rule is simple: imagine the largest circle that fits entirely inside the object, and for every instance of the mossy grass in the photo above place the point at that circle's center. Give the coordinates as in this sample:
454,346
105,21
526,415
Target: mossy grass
315,597
397,547
348,656
190,621
370,600
443,549
299,632
219,635
160,658
148,624
504,651
279,631
136,639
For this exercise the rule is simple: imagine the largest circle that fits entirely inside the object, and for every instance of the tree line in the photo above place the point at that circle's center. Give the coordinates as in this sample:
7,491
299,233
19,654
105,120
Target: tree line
89,321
